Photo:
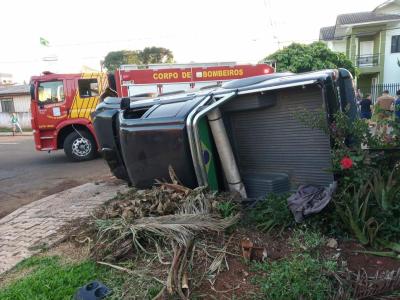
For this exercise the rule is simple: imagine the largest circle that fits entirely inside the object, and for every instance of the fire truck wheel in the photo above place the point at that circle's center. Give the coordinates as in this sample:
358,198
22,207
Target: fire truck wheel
80,146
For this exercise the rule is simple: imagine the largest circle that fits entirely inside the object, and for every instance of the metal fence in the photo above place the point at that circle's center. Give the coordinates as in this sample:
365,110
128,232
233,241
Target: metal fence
367,60
377,89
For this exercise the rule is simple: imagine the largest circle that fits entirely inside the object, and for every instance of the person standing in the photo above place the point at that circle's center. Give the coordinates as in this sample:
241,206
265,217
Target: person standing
365,105
384,110
384,104
359,95
397,106
15,123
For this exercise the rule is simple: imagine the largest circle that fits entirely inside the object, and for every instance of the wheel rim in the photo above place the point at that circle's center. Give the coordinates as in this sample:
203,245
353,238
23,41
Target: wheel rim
81,147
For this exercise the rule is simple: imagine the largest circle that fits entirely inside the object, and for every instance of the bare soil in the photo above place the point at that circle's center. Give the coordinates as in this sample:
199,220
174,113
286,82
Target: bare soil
356,260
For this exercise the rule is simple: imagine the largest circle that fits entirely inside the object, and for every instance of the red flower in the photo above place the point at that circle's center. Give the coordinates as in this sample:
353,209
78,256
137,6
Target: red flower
346,163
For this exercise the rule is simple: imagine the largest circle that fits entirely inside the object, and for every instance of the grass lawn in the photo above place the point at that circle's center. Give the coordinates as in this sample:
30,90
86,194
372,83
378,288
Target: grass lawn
52,277
9,129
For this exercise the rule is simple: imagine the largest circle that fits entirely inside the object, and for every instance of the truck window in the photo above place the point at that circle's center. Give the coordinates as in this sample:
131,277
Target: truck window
51,92
175,87
88,87
142,89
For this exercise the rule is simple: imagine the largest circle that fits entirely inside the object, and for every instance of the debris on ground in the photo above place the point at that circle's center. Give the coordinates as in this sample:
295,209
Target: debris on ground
309,200
332,243
173,223
247,247
360,285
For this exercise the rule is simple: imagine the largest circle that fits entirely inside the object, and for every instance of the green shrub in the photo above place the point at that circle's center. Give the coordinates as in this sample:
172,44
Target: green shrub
227,208
272,213
368,198
305,238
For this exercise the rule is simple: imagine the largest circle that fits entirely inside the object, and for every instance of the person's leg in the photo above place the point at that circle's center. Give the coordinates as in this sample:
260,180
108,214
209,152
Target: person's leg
13,129
19,128
365,115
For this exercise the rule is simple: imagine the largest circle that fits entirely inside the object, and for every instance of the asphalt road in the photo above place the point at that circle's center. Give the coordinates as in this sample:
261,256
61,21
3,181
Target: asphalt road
27,175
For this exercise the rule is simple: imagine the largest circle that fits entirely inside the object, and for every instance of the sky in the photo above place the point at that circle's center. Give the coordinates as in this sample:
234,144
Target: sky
82,32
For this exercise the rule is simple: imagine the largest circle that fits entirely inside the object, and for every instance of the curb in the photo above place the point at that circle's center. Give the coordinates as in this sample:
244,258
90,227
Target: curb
18,134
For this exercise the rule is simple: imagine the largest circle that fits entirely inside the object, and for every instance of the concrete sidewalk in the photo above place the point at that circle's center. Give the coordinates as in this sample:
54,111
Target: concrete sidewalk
26,230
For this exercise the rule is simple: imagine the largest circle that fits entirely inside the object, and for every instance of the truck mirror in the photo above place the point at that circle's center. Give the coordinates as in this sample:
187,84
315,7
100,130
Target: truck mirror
32,91
111,81
125,103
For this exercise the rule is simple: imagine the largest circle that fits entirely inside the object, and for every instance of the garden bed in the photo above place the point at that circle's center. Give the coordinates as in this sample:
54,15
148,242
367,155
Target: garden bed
287,261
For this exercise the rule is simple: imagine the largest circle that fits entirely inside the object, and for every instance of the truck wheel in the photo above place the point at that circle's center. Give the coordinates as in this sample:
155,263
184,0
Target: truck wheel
80,146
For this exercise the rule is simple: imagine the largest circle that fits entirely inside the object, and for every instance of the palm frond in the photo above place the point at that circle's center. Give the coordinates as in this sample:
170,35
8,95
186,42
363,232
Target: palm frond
180,228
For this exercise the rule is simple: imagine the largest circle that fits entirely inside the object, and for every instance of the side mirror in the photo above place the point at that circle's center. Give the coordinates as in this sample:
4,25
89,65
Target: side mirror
125,103
32,91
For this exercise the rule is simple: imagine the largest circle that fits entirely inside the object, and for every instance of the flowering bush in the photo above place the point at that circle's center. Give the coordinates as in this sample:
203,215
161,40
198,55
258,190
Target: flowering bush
366,168
346,163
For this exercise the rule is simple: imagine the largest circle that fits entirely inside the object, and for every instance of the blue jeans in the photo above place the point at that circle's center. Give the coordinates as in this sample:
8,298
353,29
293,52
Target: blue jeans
366,115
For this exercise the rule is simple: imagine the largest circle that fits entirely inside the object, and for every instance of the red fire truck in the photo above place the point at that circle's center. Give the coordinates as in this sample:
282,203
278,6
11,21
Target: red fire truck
62,103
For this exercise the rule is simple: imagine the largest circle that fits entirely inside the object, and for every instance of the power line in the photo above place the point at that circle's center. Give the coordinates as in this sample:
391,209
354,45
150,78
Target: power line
108,41
41,60
128,40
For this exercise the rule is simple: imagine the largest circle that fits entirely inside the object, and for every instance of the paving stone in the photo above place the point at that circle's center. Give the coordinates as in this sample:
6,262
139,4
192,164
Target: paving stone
40,222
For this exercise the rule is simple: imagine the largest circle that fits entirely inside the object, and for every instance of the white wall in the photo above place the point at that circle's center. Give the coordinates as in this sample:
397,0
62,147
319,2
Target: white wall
24,119
21,103
391,69
338,46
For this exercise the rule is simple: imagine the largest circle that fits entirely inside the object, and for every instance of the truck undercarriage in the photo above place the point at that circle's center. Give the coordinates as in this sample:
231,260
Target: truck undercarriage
244,136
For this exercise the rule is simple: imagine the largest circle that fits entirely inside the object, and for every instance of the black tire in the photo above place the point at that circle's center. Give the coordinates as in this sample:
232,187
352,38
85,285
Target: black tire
80,146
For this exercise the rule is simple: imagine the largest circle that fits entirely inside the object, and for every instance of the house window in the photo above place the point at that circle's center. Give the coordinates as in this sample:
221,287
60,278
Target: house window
395,44
88,87
7,105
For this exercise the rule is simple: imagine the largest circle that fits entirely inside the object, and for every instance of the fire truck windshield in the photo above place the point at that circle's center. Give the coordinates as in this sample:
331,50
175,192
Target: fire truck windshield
51,92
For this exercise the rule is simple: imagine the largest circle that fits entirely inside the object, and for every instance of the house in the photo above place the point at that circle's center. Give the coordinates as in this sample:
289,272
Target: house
371,40
15,98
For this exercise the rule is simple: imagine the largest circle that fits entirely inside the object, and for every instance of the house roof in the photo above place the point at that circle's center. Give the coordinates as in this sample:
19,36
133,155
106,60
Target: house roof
332,32
327,33
384,4
364,17
21,89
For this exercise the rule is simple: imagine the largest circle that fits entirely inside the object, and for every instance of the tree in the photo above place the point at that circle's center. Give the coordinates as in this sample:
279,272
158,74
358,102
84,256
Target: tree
300,58
155,55
114,59
149,55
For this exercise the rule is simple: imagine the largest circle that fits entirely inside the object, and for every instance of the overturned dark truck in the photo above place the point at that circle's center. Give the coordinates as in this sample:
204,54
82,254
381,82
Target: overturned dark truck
243,136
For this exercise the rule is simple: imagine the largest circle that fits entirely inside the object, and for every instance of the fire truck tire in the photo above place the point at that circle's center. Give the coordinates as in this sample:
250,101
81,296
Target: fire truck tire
80,146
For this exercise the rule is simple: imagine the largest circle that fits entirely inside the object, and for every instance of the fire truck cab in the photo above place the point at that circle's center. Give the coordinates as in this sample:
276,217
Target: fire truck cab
61,106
